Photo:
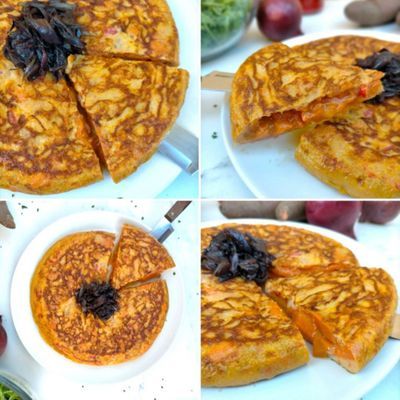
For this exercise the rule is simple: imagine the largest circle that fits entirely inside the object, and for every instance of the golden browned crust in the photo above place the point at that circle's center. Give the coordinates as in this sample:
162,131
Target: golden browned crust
138,257
44,154
357,154
346,49
279,89
348,313
8,9
44,142
76,259
245,337
132,106
84,258
296,250
128,334
134,29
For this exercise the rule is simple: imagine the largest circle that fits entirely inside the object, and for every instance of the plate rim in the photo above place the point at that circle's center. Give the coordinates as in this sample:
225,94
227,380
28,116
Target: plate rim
171,330
225,112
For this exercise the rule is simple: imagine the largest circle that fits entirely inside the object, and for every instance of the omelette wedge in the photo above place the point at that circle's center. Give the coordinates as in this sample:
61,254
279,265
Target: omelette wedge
132,29
358,153
131,106
346,313
296,250
45,145
245,336
279,89
138,257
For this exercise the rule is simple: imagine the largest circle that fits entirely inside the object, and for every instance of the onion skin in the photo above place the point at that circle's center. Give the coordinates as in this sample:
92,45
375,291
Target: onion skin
3,338
279,19
340,216
379,212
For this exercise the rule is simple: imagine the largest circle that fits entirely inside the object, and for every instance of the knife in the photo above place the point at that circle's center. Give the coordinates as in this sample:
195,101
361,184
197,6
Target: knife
217,80
181,147
6,219
164,228
395,333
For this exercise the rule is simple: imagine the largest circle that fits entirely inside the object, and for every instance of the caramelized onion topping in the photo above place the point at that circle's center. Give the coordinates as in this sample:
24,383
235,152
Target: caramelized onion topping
42,37
98,298
232,253
389,63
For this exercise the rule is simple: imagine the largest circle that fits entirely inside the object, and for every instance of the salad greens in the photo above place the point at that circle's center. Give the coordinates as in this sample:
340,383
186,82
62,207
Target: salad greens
8,394
220,19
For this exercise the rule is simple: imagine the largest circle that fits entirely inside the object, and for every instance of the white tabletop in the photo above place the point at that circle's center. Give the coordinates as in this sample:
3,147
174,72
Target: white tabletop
383,239
217,170
177,375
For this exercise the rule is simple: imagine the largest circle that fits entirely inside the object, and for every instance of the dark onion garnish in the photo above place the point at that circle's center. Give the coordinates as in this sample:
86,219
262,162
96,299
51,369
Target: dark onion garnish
98,298
389,63
232,253
42,37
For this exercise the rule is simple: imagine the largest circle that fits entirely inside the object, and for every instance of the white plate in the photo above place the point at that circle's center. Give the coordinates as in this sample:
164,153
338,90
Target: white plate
320,379
268,167
159,172
27,329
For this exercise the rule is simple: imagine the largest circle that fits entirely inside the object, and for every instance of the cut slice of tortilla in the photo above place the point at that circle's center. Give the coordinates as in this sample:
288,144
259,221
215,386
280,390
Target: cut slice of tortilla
131,106
279,89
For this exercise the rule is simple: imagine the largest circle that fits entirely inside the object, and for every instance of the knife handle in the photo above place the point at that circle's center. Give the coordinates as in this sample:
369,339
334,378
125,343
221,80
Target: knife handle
176,210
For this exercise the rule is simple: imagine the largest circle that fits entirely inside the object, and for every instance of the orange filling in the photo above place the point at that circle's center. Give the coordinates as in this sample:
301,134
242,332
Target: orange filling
317,111
320,335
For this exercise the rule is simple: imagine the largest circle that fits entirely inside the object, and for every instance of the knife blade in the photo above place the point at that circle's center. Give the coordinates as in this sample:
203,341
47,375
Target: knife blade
163,229
181,147
217,80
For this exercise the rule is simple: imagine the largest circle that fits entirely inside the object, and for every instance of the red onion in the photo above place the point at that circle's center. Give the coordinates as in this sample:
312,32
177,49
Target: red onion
379,212
337,215
279,19
3,338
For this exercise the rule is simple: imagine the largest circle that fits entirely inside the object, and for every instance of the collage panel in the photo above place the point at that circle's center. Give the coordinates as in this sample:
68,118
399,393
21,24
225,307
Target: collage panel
98,97
299,300
198,199
99,299
300,106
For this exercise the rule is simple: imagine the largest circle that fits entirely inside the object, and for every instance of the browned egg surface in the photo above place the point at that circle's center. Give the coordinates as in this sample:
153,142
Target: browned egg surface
139,256
131,106
295,249
352,310
48,144
279,89
246,337
358,154
85,258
